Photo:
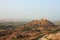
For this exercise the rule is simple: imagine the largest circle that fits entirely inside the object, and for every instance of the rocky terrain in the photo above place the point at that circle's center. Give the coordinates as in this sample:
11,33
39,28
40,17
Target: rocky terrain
35,30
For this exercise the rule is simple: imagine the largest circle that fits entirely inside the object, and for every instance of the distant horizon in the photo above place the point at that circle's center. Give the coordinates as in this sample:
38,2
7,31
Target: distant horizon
18,19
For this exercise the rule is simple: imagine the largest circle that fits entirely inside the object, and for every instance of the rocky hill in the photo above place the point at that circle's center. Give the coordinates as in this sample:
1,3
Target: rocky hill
34,30
38,28
41,23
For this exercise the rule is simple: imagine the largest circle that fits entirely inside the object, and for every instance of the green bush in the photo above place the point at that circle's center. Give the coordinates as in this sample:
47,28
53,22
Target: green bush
20,36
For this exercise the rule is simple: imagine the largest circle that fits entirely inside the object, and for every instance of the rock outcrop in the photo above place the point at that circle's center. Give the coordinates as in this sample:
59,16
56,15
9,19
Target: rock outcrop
41,23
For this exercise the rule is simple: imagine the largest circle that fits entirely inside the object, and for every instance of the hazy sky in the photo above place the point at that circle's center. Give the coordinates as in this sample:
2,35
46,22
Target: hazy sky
30,9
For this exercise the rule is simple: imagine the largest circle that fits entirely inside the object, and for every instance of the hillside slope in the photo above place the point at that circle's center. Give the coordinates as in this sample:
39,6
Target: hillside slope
34,30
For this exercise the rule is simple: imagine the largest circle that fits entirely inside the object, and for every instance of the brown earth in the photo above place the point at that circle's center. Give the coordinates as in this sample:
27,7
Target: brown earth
34,30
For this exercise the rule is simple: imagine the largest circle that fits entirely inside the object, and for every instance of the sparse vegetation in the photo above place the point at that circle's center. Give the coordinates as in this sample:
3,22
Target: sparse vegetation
35,30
